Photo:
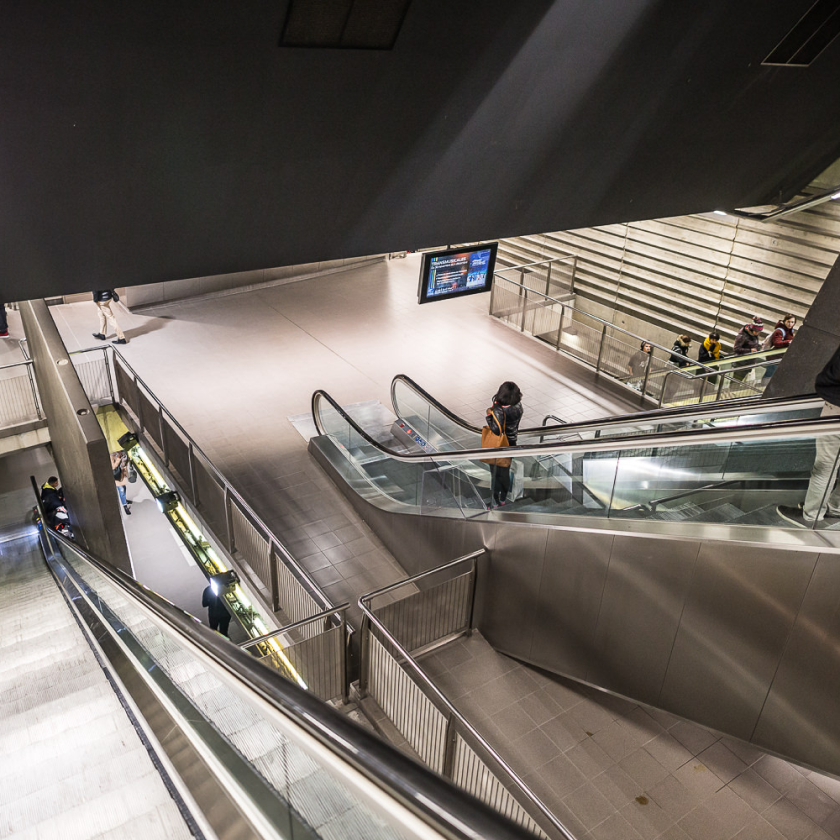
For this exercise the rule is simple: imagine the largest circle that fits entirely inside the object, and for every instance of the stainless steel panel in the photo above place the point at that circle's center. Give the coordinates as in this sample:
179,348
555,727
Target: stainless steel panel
647,582
801,717
736,621
569,600
512,579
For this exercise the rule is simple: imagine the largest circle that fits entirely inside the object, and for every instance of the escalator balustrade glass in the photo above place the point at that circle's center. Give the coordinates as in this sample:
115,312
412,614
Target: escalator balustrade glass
733,468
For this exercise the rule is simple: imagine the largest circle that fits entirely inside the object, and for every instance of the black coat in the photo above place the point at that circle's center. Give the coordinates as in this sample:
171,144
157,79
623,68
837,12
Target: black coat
51,499
505,419
103,296
215,604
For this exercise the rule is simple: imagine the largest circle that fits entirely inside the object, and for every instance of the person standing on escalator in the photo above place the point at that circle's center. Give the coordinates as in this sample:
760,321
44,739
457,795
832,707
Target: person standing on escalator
822,498
503,419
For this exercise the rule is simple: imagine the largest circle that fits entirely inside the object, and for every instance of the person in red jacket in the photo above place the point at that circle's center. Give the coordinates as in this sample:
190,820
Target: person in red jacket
779,339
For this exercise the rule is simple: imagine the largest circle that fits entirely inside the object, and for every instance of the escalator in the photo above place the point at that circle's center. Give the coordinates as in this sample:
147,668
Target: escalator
730,463
240,749
643,554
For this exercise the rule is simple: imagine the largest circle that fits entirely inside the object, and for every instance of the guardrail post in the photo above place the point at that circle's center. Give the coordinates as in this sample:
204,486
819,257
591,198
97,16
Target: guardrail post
343,669
560,328
548,280
364,656
524,304
703,390
601,348
163,445
720,385
139,412
647,374
34,389
193,483
229,521
449,740
110,373
275,578
473,581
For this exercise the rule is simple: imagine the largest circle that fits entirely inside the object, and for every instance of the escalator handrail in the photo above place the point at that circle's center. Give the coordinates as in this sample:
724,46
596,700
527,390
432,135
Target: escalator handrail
652,415
417,788
366,605
783,429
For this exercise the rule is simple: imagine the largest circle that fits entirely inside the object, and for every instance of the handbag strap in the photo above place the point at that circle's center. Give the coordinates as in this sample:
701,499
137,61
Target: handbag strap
504,418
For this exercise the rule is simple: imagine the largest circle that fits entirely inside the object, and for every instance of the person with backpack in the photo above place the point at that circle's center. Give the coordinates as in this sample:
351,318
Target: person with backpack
103,299
822,498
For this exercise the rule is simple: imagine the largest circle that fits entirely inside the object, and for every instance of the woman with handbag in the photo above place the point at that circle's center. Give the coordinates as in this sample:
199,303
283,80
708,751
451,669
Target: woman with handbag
502,429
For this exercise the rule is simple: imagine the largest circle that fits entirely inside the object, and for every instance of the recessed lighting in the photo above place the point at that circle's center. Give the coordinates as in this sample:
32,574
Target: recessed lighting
719,212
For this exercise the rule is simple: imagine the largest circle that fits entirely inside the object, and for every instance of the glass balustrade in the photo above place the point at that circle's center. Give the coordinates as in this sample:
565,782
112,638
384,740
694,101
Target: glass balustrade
734,481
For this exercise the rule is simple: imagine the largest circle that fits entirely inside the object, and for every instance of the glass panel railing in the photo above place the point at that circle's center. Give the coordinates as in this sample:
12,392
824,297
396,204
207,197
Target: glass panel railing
443,430
295,767
736,468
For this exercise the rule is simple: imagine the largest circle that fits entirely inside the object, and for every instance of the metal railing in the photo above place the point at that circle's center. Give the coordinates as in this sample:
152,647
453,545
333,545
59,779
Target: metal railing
712,386
244,533
588,338
434,728
19,400
283,756
320,659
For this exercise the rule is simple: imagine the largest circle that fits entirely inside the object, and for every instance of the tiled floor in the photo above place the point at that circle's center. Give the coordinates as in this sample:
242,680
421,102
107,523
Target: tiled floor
233,369
609,768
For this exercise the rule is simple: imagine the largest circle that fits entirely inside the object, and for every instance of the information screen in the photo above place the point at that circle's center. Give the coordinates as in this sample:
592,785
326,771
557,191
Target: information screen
457,272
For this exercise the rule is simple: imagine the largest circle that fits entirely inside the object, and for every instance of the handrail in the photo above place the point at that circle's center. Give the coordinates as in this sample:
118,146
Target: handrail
654,503
560,420
288,628
709,374
364,604
288,559
601,321
413,786
652,414
776,430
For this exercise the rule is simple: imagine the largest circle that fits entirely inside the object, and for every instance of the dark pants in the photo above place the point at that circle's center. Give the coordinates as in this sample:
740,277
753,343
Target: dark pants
4,325
220,623
499,482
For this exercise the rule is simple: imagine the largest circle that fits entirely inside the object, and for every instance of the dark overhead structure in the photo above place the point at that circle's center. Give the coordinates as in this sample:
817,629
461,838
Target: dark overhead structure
152,141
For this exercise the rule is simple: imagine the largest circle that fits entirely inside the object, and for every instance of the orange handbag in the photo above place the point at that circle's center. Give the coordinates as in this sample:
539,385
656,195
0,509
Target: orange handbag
490,440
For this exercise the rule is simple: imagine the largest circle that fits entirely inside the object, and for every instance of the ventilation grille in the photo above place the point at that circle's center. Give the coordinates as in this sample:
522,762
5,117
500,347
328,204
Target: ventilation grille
344,24
814,32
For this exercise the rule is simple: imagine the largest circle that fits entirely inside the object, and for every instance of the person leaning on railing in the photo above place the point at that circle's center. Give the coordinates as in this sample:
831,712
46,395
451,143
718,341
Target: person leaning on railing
779,339
747,341
679,352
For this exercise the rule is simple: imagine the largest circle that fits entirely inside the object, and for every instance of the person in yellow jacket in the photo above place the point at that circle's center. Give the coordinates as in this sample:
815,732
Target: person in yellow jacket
709,349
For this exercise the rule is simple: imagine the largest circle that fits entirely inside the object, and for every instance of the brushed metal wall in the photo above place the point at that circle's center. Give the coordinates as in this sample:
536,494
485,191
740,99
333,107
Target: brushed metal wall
740,638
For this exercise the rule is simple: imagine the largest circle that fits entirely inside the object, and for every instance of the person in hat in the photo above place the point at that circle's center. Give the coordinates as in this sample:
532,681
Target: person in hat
679,352
748,341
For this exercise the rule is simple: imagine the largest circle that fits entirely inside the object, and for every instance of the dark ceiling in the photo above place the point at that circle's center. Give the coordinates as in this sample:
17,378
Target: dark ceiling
149,141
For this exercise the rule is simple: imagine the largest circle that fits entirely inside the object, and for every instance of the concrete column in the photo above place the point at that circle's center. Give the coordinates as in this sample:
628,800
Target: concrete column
815,342
80,450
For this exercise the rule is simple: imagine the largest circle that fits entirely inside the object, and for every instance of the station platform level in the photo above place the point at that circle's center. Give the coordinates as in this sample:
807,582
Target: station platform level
233,369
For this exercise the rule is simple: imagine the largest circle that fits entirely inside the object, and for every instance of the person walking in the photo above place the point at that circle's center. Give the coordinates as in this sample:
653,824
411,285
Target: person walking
4,324
637,364
119,465
822,498
217,613
103,300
